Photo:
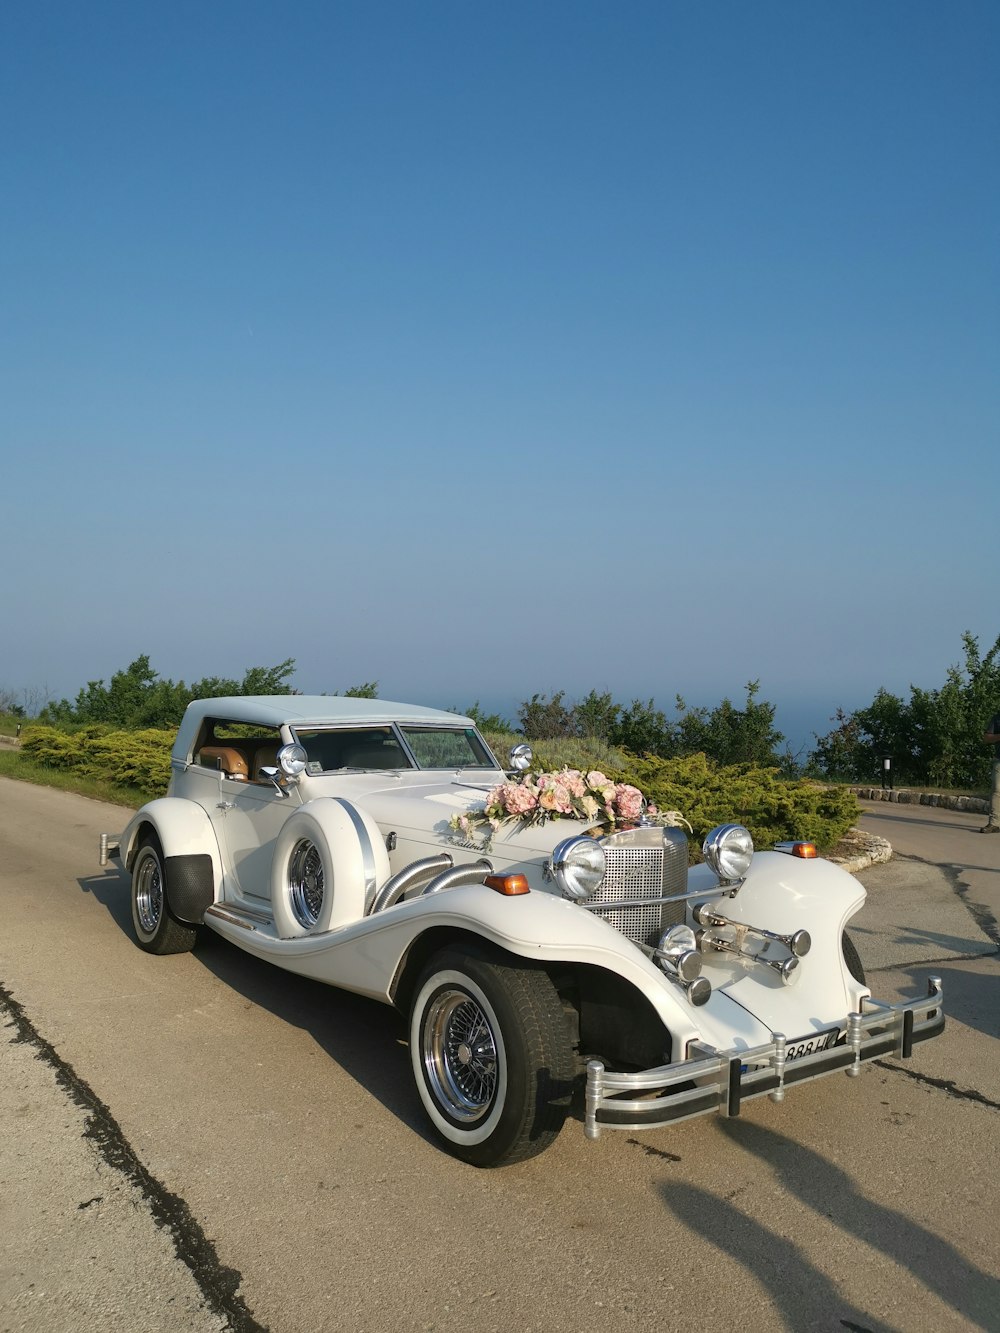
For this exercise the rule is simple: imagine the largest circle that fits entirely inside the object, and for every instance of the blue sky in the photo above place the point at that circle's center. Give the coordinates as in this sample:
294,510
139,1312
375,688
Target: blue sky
491,349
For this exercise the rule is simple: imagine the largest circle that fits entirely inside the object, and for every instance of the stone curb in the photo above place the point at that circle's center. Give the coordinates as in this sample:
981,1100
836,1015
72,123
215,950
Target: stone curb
975,804
858,850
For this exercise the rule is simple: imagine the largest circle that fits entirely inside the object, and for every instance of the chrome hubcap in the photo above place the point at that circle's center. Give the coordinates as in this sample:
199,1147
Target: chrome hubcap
460,1055
305,883
149,893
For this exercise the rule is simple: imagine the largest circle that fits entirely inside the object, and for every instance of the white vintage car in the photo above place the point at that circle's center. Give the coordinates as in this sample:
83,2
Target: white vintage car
319,833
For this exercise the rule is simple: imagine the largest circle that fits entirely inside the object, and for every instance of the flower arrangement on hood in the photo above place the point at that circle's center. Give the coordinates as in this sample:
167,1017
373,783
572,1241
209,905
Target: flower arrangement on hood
567,793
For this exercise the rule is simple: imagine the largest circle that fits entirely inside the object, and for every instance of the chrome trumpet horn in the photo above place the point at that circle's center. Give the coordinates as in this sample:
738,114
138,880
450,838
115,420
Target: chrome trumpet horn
787,968
798,943
677,953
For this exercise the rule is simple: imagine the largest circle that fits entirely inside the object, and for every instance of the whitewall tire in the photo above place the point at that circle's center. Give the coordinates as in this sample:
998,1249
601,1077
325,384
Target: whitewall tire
491,1056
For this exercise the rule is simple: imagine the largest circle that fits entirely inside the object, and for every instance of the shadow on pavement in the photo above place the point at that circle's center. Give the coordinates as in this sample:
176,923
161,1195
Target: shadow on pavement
367,1039
832,1194
969,997
805,1296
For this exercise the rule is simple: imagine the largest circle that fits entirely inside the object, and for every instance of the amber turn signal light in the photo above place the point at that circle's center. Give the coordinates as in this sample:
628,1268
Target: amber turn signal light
806,850
509,885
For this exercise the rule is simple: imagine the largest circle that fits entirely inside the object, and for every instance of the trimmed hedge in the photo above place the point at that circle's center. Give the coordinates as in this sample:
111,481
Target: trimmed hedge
772,807
139,759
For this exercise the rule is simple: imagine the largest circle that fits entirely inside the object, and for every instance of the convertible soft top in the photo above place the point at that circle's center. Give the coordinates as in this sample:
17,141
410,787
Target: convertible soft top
272,710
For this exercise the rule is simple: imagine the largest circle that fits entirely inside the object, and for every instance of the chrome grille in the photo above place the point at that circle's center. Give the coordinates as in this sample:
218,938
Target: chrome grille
643,863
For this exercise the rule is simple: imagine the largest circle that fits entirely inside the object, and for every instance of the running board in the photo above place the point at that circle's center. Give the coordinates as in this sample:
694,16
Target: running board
245,917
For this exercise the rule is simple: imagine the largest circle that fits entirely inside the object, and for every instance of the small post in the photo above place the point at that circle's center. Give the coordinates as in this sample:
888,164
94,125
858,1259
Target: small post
887,772
992,737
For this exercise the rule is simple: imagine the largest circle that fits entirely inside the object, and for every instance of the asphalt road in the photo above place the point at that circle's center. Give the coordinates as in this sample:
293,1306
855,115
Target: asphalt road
205,1142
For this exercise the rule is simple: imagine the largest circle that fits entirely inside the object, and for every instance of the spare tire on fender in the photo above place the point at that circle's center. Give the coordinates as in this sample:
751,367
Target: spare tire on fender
329,861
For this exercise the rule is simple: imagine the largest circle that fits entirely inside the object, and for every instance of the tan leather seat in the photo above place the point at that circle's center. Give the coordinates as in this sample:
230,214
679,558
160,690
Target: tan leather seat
225,758
265,757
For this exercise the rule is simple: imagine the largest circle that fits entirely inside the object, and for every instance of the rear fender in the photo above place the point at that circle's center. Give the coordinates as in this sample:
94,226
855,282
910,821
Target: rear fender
192,863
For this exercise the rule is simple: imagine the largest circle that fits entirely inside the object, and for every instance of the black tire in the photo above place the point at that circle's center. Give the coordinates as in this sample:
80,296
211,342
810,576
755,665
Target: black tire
852,959
156,928
491,1055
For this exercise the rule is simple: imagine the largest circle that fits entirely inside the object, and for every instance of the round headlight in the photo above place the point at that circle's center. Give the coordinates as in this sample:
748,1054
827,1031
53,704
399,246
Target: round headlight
578,865
292,760
728,850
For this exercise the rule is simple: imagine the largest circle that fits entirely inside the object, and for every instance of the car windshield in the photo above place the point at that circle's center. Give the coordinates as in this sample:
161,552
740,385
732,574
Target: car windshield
446,747
328,751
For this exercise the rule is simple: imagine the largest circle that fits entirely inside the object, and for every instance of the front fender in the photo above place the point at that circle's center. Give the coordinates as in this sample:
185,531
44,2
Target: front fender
370,956
784,894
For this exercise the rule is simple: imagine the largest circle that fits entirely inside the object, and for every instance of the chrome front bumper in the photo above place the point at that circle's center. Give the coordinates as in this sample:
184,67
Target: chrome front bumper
711,1080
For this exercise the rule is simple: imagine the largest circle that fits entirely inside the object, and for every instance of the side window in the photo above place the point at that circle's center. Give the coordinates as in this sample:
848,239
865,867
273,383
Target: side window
238,750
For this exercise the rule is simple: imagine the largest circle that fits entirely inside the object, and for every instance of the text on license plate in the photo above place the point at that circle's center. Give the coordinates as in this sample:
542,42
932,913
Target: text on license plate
819,1041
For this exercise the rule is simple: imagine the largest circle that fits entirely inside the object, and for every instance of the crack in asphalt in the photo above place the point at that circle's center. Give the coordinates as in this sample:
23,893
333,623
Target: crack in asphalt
943,1084
217,1283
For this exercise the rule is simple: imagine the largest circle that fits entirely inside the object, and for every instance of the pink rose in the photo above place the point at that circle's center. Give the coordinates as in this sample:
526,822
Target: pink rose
519,801
629,800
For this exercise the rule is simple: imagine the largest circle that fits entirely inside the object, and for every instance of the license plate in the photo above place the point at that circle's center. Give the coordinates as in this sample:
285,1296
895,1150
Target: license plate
819,1041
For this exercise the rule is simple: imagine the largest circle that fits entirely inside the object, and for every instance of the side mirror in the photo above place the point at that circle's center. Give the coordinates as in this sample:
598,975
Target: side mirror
520,757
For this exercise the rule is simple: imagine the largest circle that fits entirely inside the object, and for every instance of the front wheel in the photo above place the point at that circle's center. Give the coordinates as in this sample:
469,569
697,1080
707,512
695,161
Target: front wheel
156,928
491,1056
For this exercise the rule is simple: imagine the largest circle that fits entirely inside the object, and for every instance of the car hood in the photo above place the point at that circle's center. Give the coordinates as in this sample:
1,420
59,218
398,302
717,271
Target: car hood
421,811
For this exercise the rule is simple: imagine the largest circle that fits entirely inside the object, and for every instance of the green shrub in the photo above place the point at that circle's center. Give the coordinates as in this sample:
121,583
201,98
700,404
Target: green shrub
564,752
772,807
138,759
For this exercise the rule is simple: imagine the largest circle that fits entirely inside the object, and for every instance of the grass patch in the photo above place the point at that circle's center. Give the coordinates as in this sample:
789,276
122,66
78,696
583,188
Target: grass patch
13,764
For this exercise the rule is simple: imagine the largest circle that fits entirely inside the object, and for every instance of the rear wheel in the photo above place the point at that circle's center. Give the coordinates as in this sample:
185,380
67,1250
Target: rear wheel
491,1056
156,928
852,958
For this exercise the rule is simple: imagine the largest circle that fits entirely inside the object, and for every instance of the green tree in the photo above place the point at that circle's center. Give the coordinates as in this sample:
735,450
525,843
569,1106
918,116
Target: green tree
731,735
935,739
138,697
486,721
643,729
367,690
596,715
542,719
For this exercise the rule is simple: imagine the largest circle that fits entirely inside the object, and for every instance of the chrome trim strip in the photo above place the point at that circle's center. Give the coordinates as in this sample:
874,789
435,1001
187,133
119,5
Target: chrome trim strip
721,1080
367,851
616,904
236,917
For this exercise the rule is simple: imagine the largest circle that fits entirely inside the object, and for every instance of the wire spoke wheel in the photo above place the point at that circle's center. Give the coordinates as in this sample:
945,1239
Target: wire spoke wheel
460,1054
306,884
149,892
157,929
